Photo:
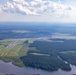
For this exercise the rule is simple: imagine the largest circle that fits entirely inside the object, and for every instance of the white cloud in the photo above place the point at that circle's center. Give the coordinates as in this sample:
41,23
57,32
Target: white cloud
0,9
39,7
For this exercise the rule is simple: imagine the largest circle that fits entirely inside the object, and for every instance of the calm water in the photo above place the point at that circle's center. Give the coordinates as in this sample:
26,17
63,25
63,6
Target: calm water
9,68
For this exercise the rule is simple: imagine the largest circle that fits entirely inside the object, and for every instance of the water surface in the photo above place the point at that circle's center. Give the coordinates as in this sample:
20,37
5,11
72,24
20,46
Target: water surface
9,68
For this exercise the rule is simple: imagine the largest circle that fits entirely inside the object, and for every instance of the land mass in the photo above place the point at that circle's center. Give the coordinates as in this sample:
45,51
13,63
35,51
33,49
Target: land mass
35,53
41,48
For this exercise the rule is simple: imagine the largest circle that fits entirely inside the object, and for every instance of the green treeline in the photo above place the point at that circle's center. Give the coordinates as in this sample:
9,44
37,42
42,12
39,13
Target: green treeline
51,62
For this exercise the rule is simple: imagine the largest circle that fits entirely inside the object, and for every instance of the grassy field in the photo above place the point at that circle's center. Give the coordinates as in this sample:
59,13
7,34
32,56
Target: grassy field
13,54
38,54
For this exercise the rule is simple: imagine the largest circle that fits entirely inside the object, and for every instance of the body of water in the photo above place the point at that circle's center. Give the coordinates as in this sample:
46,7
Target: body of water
9,68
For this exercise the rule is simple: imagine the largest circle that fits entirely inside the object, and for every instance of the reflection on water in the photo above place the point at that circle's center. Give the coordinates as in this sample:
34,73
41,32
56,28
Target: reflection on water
8,68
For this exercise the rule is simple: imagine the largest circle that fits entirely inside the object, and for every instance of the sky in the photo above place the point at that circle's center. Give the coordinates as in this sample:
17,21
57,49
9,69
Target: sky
37,10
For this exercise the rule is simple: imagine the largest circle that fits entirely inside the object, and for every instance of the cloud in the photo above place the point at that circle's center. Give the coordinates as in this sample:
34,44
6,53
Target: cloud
0,9
38,7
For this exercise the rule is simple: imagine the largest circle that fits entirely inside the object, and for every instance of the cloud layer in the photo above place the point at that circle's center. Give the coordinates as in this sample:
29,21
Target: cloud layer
38,7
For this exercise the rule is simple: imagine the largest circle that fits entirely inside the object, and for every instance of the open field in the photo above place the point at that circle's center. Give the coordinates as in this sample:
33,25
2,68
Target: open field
11,50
